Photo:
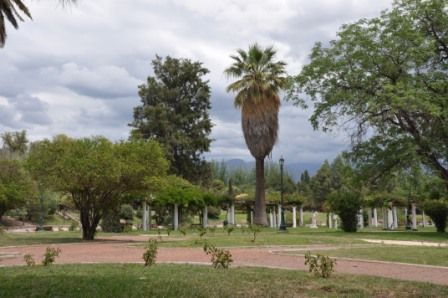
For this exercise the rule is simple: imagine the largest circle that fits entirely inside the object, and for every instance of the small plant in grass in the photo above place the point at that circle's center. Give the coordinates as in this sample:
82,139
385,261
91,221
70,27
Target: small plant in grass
320,265
183,231
169,230
221,258
150,254
212,230
50,255
254,229
159,232
229,230
29,260
202,232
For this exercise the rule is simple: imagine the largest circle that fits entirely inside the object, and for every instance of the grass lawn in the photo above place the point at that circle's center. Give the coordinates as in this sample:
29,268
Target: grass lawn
196,281
13,239
404,254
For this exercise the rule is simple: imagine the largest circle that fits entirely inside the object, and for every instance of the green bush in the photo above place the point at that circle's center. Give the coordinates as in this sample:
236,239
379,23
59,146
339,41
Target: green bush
320,265
254,229
111,222
150,253
50,255
438,211
126,212
220,258
213,212
346,205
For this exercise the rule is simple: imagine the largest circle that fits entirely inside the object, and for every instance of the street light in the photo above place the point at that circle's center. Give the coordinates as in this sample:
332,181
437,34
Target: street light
282,220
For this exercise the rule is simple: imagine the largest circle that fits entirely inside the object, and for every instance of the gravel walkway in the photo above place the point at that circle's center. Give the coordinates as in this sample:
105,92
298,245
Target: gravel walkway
122,252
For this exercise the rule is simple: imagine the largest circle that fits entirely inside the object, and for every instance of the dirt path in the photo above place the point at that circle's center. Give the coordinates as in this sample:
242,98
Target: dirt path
120,252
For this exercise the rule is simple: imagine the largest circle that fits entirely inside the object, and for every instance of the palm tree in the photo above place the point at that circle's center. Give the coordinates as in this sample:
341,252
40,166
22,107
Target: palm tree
10,9
260,80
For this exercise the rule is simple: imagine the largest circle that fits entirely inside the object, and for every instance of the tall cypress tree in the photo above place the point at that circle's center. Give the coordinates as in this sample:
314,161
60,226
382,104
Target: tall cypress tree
174,110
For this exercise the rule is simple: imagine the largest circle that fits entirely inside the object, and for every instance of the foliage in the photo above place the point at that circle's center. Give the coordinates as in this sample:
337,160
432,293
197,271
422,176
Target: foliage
29,260
202,231
389,76
16,185
50,255
438,211
320,265
176,190
221,258
229,230
254,229
346,204
259,80
150,254
15,144
95,172
213,212
111,221
183,231
126,212
175,112
321,185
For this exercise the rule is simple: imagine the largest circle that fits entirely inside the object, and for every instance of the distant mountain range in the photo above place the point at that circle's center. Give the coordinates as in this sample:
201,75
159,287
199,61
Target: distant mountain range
294,169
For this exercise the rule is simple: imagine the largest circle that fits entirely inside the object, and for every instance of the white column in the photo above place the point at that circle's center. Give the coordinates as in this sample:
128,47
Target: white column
390,219
251,217
176,217
301,216
414,216
369,217
294,217
375,217
385,218
145,217
279,216
271,219
232,211
361,219
335,221
424,219
330,220
205,217
394,213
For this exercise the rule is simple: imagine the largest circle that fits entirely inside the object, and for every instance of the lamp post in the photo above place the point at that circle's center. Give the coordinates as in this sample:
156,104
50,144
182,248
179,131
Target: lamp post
282,220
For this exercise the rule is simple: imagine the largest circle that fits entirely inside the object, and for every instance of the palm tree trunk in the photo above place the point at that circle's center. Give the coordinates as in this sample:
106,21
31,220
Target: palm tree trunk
260,217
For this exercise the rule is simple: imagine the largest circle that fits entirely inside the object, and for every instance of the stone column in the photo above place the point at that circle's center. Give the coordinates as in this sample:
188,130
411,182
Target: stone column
335,221
361,219
414,216
301,216
232,214
394,213
424,219
271,219
205,217
330,220
375,217
145,217
390,219
294,217
176,217
369,217
279,215
385,218
251,217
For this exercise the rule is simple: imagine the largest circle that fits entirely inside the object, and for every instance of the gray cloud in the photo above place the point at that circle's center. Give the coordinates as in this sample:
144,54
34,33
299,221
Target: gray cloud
76,70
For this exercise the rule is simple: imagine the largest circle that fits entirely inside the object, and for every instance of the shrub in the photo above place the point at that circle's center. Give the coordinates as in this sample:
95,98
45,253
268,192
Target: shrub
320,265
183,231
50,255
220,258
346,205
111,222
29,260
212,230
126,212
229,230
254,229
150,254
213,212
438,211
73,226
202,232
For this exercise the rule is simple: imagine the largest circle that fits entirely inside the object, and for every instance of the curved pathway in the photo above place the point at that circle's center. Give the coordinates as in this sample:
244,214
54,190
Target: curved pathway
126,252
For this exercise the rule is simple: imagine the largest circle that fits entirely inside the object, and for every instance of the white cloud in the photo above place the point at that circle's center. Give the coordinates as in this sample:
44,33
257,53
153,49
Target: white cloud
76,70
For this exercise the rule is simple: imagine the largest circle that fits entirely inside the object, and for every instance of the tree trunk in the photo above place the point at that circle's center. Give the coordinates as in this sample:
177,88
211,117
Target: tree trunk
89,222
260,217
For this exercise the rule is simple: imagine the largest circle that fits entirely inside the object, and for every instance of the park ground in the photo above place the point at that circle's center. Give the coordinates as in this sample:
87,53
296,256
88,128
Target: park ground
372,263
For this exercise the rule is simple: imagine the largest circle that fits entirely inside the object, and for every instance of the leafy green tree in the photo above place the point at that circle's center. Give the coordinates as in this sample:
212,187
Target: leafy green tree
15,144
259,80
389,75
321,185
16,186
174,111
95,172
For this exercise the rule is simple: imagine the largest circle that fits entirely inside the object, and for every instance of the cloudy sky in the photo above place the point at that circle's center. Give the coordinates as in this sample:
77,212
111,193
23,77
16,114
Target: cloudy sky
76,70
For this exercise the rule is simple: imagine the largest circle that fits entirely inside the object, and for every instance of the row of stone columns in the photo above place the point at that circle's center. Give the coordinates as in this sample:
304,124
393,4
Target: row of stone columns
275,216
